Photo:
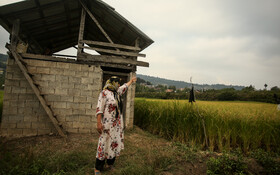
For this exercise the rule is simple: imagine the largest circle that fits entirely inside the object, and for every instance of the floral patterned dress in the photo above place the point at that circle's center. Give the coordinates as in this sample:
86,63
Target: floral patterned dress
111,140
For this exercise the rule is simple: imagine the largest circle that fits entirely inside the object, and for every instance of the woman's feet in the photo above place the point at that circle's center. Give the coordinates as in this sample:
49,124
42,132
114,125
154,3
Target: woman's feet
97,172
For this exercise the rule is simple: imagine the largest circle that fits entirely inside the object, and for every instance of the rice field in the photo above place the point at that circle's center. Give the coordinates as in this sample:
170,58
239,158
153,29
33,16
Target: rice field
228,125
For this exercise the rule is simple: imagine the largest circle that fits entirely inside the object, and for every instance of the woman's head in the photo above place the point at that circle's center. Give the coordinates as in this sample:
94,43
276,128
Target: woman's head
113,83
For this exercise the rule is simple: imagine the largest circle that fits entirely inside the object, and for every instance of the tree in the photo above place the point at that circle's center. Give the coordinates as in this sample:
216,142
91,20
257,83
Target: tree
275,88
249,88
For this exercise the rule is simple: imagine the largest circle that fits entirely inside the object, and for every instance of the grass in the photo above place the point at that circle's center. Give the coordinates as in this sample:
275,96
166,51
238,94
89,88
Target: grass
144,154
229,125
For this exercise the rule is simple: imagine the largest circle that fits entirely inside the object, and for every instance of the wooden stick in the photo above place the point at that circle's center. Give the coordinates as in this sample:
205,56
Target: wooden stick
81,33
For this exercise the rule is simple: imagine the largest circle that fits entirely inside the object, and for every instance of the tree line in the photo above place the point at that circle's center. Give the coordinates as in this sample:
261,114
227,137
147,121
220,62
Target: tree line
147,90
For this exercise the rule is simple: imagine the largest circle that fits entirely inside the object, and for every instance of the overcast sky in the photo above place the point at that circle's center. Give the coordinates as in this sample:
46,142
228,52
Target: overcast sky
219,41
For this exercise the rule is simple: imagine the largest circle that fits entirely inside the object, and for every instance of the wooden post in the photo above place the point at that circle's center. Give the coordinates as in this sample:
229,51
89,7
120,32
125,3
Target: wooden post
15,34
81,33
96,22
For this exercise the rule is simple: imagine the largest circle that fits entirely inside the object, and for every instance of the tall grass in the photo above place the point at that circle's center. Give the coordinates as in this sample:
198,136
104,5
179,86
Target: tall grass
245,125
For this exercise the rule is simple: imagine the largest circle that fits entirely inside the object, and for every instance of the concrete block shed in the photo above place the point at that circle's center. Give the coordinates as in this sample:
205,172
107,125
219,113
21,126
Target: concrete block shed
50,93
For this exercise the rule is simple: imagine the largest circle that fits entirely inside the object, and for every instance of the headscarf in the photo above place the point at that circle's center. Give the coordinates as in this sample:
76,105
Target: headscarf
113,84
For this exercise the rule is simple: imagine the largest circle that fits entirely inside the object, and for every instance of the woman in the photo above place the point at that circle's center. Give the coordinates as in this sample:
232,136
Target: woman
110,122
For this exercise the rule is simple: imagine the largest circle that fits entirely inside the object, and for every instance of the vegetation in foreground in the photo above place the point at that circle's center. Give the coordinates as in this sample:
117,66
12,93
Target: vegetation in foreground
229,125
144,154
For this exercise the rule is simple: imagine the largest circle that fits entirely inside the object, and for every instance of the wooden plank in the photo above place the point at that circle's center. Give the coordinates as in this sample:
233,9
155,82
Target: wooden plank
111,59
116,73
81,32
115,52
47,58
37,92
111,45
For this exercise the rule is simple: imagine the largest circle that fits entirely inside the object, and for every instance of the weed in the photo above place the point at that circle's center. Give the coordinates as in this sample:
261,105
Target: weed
226,165
265,159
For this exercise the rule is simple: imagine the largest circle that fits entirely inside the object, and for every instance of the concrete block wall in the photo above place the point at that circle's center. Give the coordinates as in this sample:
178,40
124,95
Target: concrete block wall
70,89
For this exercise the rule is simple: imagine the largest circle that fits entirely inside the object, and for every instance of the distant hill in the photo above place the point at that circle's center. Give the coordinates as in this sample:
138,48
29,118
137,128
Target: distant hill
182,84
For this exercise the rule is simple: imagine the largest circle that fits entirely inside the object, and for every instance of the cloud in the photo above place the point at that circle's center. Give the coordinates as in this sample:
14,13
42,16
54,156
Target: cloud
232,42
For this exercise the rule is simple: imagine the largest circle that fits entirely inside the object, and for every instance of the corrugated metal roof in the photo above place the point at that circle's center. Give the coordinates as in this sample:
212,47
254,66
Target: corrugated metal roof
55,24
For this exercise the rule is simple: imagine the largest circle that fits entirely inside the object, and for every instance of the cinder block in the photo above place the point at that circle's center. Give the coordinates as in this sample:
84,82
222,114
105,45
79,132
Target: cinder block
80,99
43,70
46,90
86,80
22,125
98,69
11,82
74,80
37,77
69,72
91,99
18,90
61,118
39,125
84,105
30,118
79,111
58,111
24,84
9,75
90,112
32,103
17,104
18,76
7,90
32,69
68,85
9,96
72,130
29,91
75,67
52,98
56,71
73,105
61,78
94,119
15,118
10,61
81,74
63,65
67,98
43,118
15,131
92,74
54,84
44,131
27,97
61,91
74,92
35,62
49,64
68,125
84,131
59,104
86,93
72,118
43,83
8,125
46,77
80,86
29,132
8,110
84,118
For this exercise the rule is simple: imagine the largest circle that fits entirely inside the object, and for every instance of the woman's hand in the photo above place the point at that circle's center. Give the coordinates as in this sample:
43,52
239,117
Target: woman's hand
132,80
99,124
99,127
